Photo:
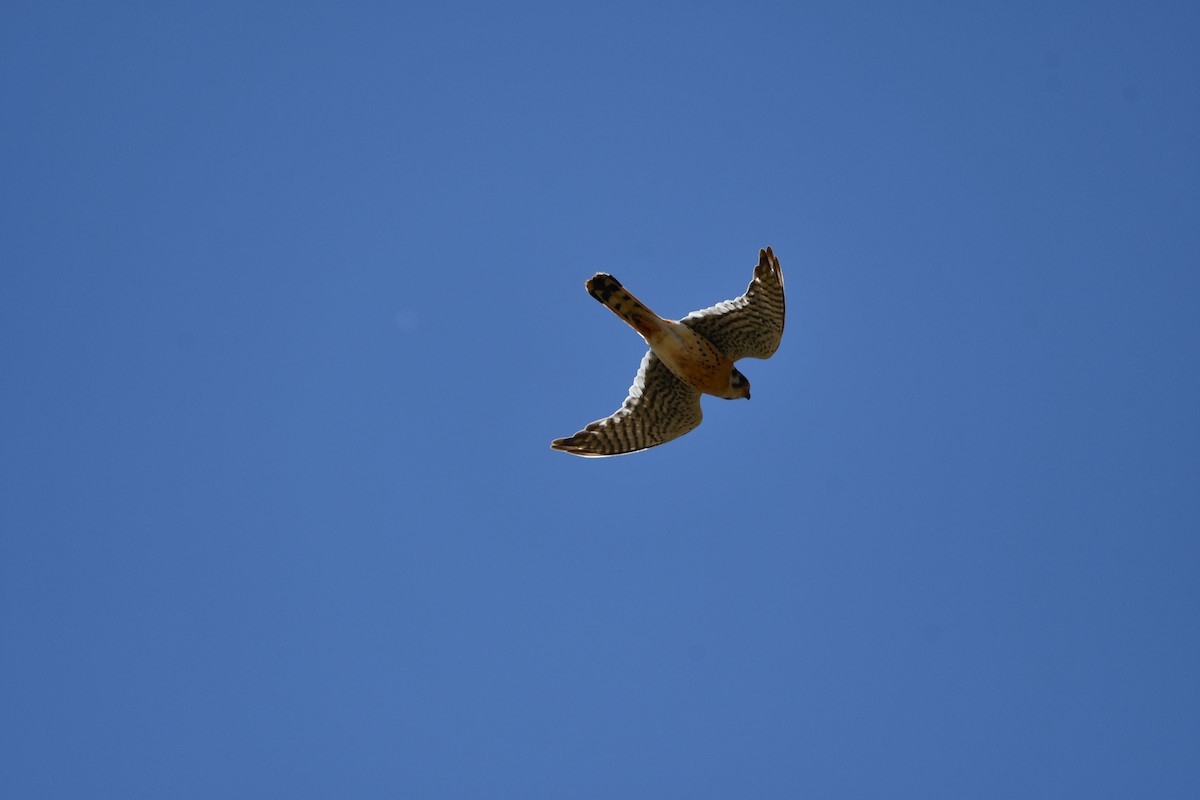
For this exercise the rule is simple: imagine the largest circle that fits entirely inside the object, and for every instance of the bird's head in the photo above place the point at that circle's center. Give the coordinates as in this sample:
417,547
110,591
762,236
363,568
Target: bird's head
739,386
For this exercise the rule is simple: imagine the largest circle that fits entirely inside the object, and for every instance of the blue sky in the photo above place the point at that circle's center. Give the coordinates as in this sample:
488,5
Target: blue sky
292,305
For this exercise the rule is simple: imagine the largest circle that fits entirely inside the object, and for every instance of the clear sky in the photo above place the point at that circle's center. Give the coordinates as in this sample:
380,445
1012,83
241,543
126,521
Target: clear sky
292,304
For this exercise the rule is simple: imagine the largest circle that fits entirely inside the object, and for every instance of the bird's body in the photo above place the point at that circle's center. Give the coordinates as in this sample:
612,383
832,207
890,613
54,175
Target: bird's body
692,358
687,357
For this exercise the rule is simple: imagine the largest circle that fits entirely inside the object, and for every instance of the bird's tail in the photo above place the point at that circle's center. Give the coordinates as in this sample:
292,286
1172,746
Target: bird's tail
608,290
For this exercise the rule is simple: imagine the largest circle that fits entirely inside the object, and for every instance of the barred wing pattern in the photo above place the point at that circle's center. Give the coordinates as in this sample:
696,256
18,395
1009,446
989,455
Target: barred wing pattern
659,408
752,325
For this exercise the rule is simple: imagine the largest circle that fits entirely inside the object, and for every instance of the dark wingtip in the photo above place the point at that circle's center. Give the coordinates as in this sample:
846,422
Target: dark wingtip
570,445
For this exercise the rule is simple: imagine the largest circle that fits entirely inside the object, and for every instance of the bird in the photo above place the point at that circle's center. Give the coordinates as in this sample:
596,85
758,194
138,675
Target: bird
687,358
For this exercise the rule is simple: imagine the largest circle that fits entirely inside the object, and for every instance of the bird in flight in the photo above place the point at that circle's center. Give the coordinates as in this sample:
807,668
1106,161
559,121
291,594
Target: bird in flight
687,358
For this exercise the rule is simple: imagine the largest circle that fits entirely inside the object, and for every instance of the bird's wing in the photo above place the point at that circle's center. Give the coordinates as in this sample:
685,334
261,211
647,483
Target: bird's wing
659,408
752,325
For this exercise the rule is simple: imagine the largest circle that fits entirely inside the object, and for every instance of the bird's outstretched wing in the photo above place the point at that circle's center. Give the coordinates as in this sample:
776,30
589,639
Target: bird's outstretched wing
752,325
659,408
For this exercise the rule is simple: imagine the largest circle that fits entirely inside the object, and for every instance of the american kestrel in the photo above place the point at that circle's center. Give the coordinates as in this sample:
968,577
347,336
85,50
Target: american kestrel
687,358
